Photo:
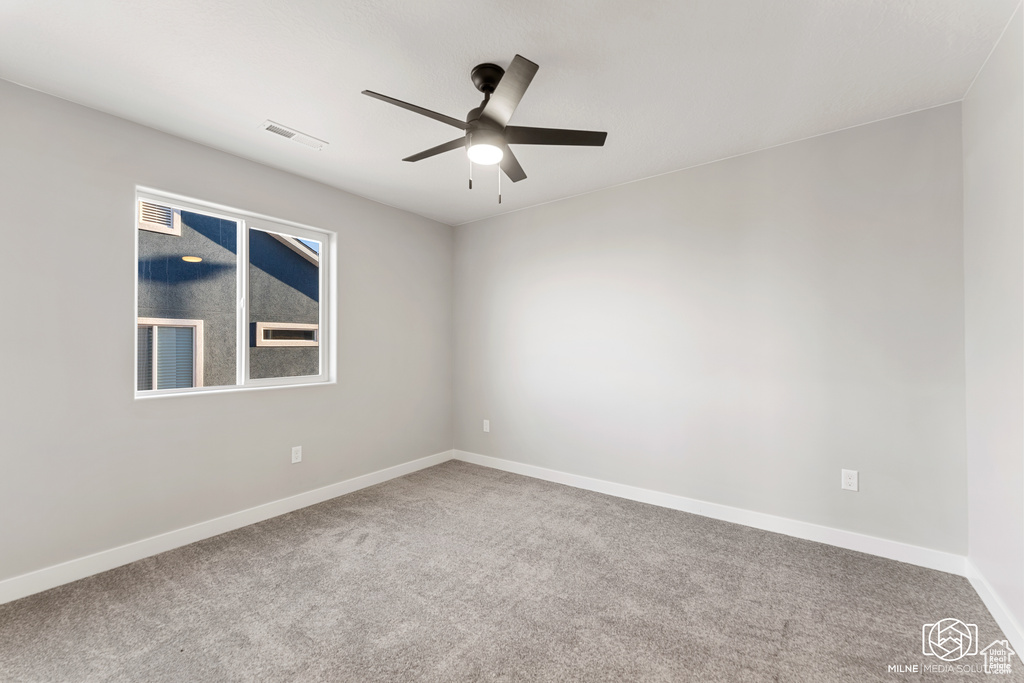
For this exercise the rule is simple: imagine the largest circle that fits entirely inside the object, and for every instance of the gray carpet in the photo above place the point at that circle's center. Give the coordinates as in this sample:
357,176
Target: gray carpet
462,573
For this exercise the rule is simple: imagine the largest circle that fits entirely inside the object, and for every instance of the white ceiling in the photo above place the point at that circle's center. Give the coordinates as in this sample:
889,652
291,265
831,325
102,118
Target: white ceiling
675,83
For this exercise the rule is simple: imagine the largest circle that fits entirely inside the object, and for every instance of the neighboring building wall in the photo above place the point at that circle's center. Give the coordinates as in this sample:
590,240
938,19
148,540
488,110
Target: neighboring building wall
994,286
283,288
738,332
172,288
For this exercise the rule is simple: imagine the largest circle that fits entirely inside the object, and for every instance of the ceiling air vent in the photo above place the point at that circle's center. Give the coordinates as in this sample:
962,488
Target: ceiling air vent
294,135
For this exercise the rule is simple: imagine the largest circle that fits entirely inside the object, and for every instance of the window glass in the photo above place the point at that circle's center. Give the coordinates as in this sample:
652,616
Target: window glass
226,298
193,275
175,358
284,289
289,334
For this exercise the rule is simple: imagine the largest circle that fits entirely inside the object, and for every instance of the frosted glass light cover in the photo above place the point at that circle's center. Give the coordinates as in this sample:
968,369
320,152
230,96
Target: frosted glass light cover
485,155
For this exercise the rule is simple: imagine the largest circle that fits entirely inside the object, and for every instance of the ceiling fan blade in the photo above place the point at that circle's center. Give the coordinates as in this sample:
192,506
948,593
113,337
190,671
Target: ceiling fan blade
419,110
510,165
440,149
524,135
511,88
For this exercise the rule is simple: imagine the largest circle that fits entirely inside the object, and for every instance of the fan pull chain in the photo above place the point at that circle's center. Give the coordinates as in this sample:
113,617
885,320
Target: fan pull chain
499,184
471,174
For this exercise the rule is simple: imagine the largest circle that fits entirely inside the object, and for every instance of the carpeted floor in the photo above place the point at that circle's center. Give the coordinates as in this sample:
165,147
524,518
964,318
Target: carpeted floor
463,573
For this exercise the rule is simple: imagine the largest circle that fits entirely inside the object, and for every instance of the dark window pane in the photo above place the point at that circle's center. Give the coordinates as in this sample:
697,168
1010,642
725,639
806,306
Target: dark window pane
290,335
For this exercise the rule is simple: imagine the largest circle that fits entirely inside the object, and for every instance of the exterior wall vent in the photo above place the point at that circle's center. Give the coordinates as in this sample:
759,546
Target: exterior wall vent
293,135
159,218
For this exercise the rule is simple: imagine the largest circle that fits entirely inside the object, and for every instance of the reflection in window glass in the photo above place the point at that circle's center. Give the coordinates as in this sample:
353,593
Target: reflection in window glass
284,298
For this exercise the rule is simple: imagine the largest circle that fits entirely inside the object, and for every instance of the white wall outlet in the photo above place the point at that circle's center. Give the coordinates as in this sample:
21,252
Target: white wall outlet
296,454
487,425
851,480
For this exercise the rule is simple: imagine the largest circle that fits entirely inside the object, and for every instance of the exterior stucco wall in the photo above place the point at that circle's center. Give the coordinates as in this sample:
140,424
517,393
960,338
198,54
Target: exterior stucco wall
172,288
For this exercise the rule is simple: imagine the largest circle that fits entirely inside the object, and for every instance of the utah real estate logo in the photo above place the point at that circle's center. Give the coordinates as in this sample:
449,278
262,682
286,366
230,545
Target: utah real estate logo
951,640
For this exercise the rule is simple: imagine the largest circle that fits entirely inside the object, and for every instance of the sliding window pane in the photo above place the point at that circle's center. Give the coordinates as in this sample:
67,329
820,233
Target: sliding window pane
284,305
188,271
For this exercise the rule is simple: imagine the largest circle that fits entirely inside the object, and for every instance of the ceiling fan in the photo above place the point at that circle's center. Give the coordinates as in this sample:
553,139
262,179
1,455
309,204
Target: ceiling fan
487,133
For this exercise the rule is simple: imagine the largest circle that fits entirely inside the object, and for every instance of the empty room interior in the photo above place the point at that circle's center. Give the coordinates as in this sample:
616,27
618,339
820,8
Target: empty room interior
693,351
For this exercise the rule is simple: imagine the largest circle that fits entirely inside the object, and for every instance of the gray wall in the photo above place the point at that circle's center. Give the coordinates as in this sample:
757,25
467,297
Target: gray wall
994,281
85,466
738,332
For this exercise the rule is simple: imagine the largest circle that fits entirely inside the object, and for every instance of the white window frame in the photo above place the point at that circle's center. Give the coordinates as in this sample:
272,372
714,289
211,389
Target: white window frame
197,349
282,230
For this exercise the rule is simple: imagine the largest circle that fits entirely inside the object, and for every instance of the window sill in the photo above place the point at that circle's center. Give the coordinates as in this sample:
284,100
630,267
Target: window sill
192,391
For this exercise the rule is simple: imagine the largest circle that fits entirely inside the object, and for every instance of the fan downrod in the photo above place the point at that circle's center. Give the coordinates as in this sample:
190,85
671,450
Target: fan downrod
486,76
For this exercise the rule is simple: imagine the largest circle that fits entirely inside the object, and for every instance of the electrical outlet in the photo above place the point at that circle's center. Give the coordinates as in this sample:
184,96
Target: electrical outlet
487,425
296,454
851,480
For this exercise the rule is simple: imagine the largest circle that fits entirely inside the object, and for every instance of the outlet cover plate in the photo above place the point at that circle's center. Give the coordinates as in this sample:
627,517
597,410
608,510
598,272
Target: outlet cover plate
851,480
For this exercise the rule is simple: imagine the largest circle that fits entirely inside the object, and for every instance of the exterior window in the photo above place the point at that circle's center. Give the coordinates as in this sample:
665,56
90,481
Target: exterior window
227,299
171,351
192,274
280,318
286,334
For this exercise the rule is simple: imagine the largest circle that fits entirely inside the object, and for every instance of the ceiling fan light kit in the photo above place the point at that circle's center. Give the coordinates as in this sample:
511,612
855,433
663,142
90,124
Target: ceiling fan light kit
485,147
487,134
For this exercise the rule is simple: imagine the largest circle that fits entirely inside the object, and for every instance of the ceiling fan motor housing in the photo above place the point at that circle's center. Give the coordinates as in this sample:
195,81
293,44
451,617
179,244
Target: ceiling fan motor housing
485,136
486,77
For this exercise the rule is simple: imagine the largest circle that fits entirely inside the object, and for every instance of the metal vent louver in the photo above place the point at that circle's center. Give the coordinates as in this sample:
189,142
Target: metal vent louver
159,218
294,135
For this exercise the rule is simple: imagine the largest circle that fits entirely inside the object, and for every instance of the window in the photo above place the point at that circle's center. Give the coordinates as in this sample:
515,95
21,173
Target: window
171,351
286,334
228,299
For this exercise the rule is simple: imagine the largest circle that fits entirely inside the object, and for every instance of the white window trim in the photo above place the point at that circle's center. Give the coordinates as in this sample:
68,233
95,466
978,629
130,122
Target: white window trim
260,341
197,349
326,327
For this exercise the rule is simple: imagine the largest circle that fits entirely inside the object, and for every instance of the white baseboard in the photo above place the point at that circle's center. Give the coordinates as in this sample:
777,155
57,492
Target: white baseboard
72,570
893,550
1000,612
